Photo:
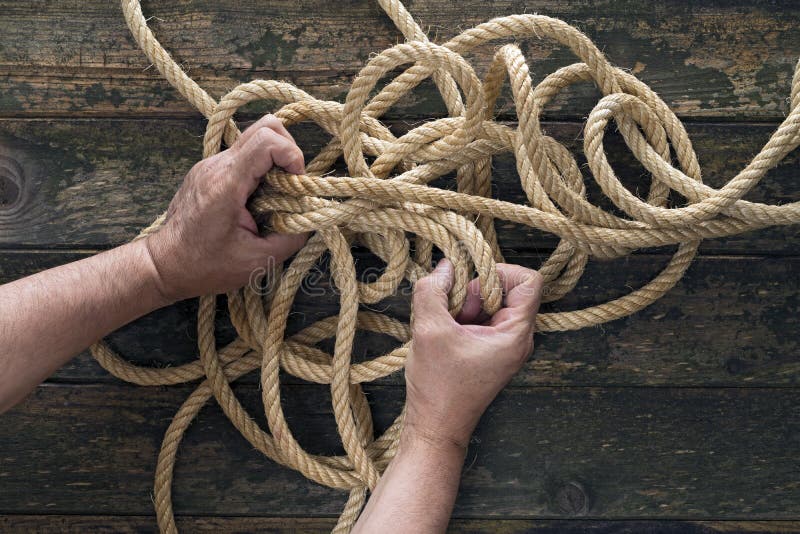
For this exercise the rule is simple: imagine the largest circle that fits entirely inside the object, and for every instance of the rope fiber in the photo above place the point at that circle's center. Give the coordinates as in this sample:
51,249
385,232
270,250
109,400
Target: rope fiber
380,205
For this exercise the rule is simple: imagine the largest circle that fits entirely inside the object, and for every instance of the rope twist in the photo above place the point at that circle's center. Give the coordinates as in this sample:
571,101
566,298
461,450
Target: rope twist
379,204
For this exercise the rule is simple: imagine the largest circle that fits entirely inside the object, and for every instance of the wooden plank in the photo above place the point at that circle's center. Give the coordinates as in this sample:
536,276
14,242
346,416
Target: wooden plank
720,326
682,453
76,524
695,55
91,183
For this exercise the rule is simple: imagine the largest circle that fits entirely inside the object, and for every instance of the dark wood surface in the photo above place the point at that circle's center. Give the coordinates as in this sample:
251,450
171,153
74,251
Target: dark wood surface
627,452
682,418
730,59
124,171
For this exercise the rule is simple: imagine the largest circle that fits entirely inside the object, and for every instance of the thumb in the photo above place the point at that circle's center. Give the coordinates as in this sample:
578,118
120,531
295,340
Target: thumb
430,293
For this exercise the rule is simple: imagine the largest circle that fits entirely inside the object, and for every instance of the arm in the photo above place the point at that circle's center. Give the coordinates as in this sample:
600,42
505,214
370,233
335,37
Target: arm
51,316
208,244
455,369
417,491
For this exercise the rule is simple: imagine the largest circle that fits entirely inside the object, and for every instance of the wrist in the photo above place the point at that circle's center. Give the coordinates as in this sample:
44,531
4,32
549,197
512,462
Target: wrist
415,436
152,277
439,427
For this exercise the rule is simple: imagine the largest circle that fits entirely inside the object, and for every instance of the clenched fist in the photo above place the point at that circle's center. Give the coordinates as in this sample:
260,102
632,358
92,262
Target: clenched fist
210,242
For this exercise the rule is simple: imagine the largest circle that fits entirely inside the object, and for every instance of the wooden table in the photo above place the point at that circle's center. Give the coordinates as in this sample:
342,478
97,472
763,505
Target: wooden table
682,418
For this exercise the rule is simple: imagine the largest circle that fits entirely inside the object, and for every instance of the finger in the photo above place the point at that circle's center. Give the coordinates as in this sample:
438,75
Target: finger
472,310
281,246
267,121
430,293
264,149
522,286
523,289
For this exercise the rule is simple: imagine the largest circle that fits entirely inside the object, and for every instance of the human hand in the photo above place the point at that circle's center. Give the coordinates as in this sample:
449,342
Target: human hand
456,367
210,243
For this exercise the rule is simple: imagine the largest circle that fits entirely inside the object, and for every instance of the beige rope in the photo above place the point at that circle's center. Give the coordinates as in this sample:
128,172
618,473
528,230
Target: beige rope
380,203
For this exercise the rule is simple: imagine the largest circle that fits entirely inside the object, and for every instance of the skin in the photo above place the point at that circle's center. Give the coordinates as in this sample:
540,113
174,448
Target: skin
210,244
455,369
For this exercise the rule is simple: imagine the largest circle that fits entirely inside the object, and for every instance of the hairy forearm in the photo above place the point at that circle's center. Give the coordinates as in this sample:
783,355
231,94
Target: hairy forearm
418,489
49,317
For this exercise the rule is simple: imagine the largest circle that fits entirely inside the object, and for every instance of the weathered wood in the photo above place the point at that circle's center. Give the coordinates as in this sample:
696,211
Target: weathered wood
68,524
86,63
720,326
97,183
682,453
675,458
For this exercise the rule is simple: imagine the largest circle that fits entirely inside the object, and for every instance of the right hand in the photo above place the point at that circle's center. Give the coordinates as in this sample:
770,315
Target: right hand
209,242
456,367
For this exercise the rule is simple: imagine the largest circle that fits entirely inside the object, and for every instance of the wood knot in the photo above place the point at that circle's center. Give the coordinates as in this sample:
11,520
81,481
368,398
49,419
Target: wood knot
572,499
12,184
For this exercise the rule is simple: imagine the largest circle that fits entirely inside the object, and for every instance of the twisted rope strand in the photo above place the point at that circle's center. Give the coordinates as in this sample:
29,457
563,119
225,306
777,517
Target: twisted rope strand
379,204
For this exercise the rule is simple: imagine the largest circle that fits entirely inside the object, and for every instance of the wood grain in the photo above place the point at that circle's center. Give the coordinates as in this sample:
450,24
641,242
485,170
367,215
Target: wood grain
96,183
696,55
686,453
684,418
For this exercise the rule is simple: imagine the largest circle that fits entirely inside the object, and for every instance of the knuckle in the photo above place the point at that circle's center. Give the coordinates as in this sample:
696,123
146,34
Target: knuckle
205,166
271,121
283,143
536,277
264,121
227,161
209,188
216,164
263,136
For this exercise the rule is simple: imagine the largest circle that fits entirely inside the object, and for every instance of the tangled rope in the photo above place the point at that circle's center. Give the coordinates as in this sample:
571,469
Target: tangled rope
380,203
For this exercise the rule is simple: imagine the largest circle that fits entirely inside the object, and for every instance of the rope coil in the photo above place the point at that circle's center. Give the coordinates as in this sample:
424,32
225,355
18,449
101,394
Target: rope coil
380,203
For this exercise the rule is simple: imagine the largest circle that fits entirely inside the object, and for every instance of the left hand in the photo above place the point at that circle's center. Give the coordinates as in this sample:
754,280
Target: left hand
210,243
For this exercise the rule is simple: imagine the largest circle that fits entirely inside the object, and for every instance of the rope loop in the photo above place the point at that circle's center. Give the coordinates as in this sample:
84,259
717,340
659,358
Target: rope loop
386,198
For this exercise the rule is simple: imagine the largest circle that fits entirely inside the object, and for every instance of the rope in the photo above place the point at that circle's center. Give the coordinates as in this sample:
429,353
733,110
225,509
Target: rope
382,202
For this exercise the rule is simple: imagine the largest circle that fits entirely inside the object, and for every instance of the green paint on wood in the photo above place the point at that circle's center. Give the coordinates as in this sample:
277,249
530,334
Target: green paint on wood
96,94
270,50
